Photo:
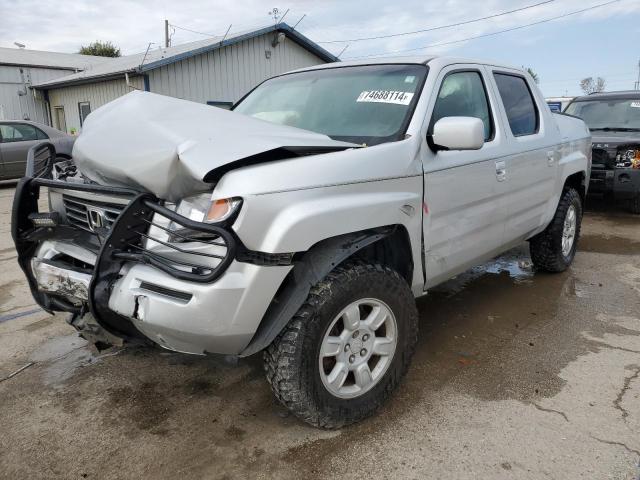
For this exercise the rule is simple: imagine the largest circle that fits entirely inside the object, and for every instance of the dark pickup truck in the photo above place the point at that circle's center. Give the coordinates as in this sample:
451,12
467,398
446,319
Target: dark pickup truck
614,121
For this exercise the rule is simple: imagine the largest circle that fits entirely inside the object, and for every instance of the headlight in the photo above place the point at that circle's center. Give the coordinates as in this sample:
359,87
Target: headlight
202,208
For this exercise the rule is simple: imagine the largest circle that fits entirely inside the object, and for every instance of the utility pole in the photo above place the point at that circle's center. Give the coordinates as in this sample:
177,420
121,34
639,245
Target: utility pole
166,33
638,82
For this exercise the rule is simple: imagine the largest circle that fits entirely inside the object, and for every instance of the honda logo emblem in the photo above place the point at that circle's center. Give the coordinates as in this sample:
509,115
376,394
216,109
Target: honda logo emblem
96,218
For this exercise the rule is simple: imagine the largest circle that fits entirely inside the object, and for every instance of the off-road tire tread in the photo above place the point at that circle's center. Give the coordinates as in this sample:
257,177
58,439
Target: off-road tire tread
282,359
545,248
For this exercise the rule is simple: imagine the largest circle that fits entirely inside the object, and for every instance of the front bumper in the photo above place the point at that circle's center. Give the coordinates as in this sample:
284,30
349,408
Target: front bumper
136,293
620,183
218,317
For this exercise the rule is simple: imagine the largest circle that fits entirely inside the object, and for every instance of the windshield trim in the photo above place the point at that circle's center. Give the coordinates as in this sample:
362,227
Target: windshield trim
402,131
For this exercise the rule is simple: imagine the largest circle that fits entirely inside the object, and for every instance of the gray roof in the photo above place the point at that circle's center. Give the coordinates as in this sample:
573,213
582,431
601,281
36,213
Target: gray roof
56,60
139,63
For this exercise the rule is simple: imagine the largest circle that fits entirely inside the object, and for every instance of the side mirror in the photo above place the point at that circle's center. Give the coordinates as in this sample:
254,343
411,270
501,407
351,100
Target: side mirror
458,133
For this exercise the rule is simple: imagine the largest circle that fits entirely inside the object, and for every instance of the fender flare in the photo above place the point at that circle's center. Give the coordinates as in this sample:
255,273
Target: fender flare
314,265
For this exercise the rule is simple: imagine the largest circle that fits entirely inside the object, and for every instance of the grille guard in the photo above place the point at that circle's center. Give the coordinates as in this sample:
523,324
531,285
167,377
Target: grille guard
127,235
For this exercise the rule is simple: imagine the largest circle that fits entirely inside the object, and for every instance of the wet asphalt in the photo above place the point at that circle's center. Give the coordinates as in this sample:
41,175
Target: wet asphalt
517,374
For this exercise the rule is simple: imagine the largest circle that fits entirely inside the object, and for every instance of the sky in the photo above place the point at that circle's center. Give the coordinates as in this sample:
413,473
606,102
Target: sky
600,42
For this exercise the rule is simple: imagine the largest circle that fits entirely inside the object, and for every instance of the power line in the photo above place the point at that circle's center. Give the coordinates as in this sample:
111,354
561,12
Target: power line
248,27
193,31
431,29
486,34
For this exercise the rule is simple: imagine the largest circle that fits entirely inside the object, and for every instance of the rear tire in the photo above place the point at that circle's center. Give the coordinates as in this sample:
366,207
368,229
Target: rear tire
553,249
331,366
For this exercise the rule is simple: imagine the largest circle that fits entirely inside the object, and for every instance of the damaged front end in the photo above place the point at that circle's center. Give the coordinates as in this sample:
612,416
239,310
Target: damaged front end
126,266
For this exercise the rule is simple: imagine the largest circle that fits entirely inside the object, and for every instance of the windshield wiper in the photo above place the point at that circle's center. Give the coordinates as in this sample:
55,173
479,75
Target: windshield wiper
615,129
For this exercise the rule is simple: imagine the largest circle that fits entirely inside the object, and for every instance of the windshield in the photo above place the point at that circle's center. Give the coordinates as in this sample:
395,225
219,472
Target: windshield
608,114
369,104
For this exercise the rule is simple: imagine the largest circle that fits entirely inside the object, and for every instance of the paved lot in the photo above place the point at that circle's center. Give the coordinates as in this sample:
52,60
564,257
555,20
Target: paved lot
517,375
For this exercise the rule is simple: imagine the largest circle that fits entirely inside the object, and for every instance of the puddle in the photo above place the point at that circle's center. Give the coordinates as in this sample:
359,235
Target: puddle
482,330
608,244
515,264
630,275
63,356
7,291
57,348
64,368
519,269
577,288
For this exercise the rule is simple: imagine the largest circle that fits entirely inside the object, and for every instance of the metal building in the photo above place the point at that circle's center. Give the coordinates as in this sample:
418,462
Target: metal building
20,69
217,71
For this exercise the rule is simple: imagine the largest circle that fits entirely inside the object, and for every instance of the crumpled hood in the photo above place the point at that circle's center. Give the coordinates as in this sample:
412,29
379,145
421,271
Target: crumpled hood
173,147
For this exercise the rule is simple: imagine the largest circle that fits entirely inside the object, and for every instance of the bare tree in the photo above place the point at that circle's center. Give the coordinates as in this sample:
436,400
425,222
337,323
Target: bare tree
533,74
591,85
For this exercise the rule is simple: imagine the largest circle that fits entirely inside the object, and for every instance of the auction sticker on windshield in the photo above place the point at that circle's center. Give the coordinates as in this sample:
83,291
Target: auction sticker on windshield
385,96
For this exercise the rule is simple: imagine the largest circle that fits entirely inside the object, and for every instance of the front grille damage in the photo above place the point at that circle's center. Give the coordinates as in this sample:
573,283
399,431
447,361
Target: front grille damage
90,215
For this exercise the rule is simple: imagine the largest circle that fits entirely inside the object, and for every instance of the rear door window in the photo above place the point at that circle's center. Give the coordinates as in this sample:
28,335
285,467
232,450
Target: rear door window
519,104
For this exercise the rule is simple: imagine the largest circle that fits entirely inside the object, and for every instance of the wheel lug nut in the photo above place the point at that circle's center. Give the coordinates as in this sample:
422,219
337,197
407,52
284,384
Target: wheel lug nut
365,337
355,334
347,347
363,352
352,358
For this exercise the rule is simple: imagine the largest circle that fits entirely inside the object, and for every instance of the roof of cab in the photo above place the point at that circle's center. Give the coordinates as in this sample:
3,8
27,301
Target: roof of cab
417,60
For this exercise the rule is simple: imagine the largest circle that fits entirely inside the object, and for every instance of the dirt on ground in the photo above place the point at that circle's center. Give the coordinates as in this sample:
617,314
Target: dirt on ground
517,375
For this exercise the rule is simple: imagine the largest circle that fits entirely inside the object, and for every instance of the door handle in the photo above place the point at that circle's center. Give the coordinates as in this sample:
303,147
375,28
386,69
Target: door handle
501,171
551,158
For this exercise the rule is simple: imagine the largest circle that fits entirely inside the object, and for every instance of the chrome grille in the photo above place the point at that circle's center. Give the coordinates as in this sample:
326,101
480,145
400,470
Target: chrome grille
90,215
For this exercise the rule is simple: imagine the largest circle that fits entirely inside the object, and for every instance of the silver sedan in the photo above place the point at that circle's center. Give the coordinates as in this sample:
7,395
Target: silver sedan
18,136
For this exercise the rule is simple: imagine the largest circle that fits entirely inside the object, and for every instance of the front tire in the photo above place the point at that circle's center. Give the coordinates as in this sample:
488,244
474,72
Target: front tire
346,350
553,249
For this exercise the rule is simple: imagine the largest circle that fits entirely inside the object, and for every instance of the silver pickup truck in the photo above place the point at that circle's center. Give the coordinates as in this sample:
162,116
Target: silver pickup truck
304,222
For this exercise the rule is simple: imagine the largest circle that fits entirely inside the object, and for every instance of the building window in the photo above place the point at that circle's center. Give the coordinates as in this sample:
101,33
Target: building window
224,105
84,108
60,120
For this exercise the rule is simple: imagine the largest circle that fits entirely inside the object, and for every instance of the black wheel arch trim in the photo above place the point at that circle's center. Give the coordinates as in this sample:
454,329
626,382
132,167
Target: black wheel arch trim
308,270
